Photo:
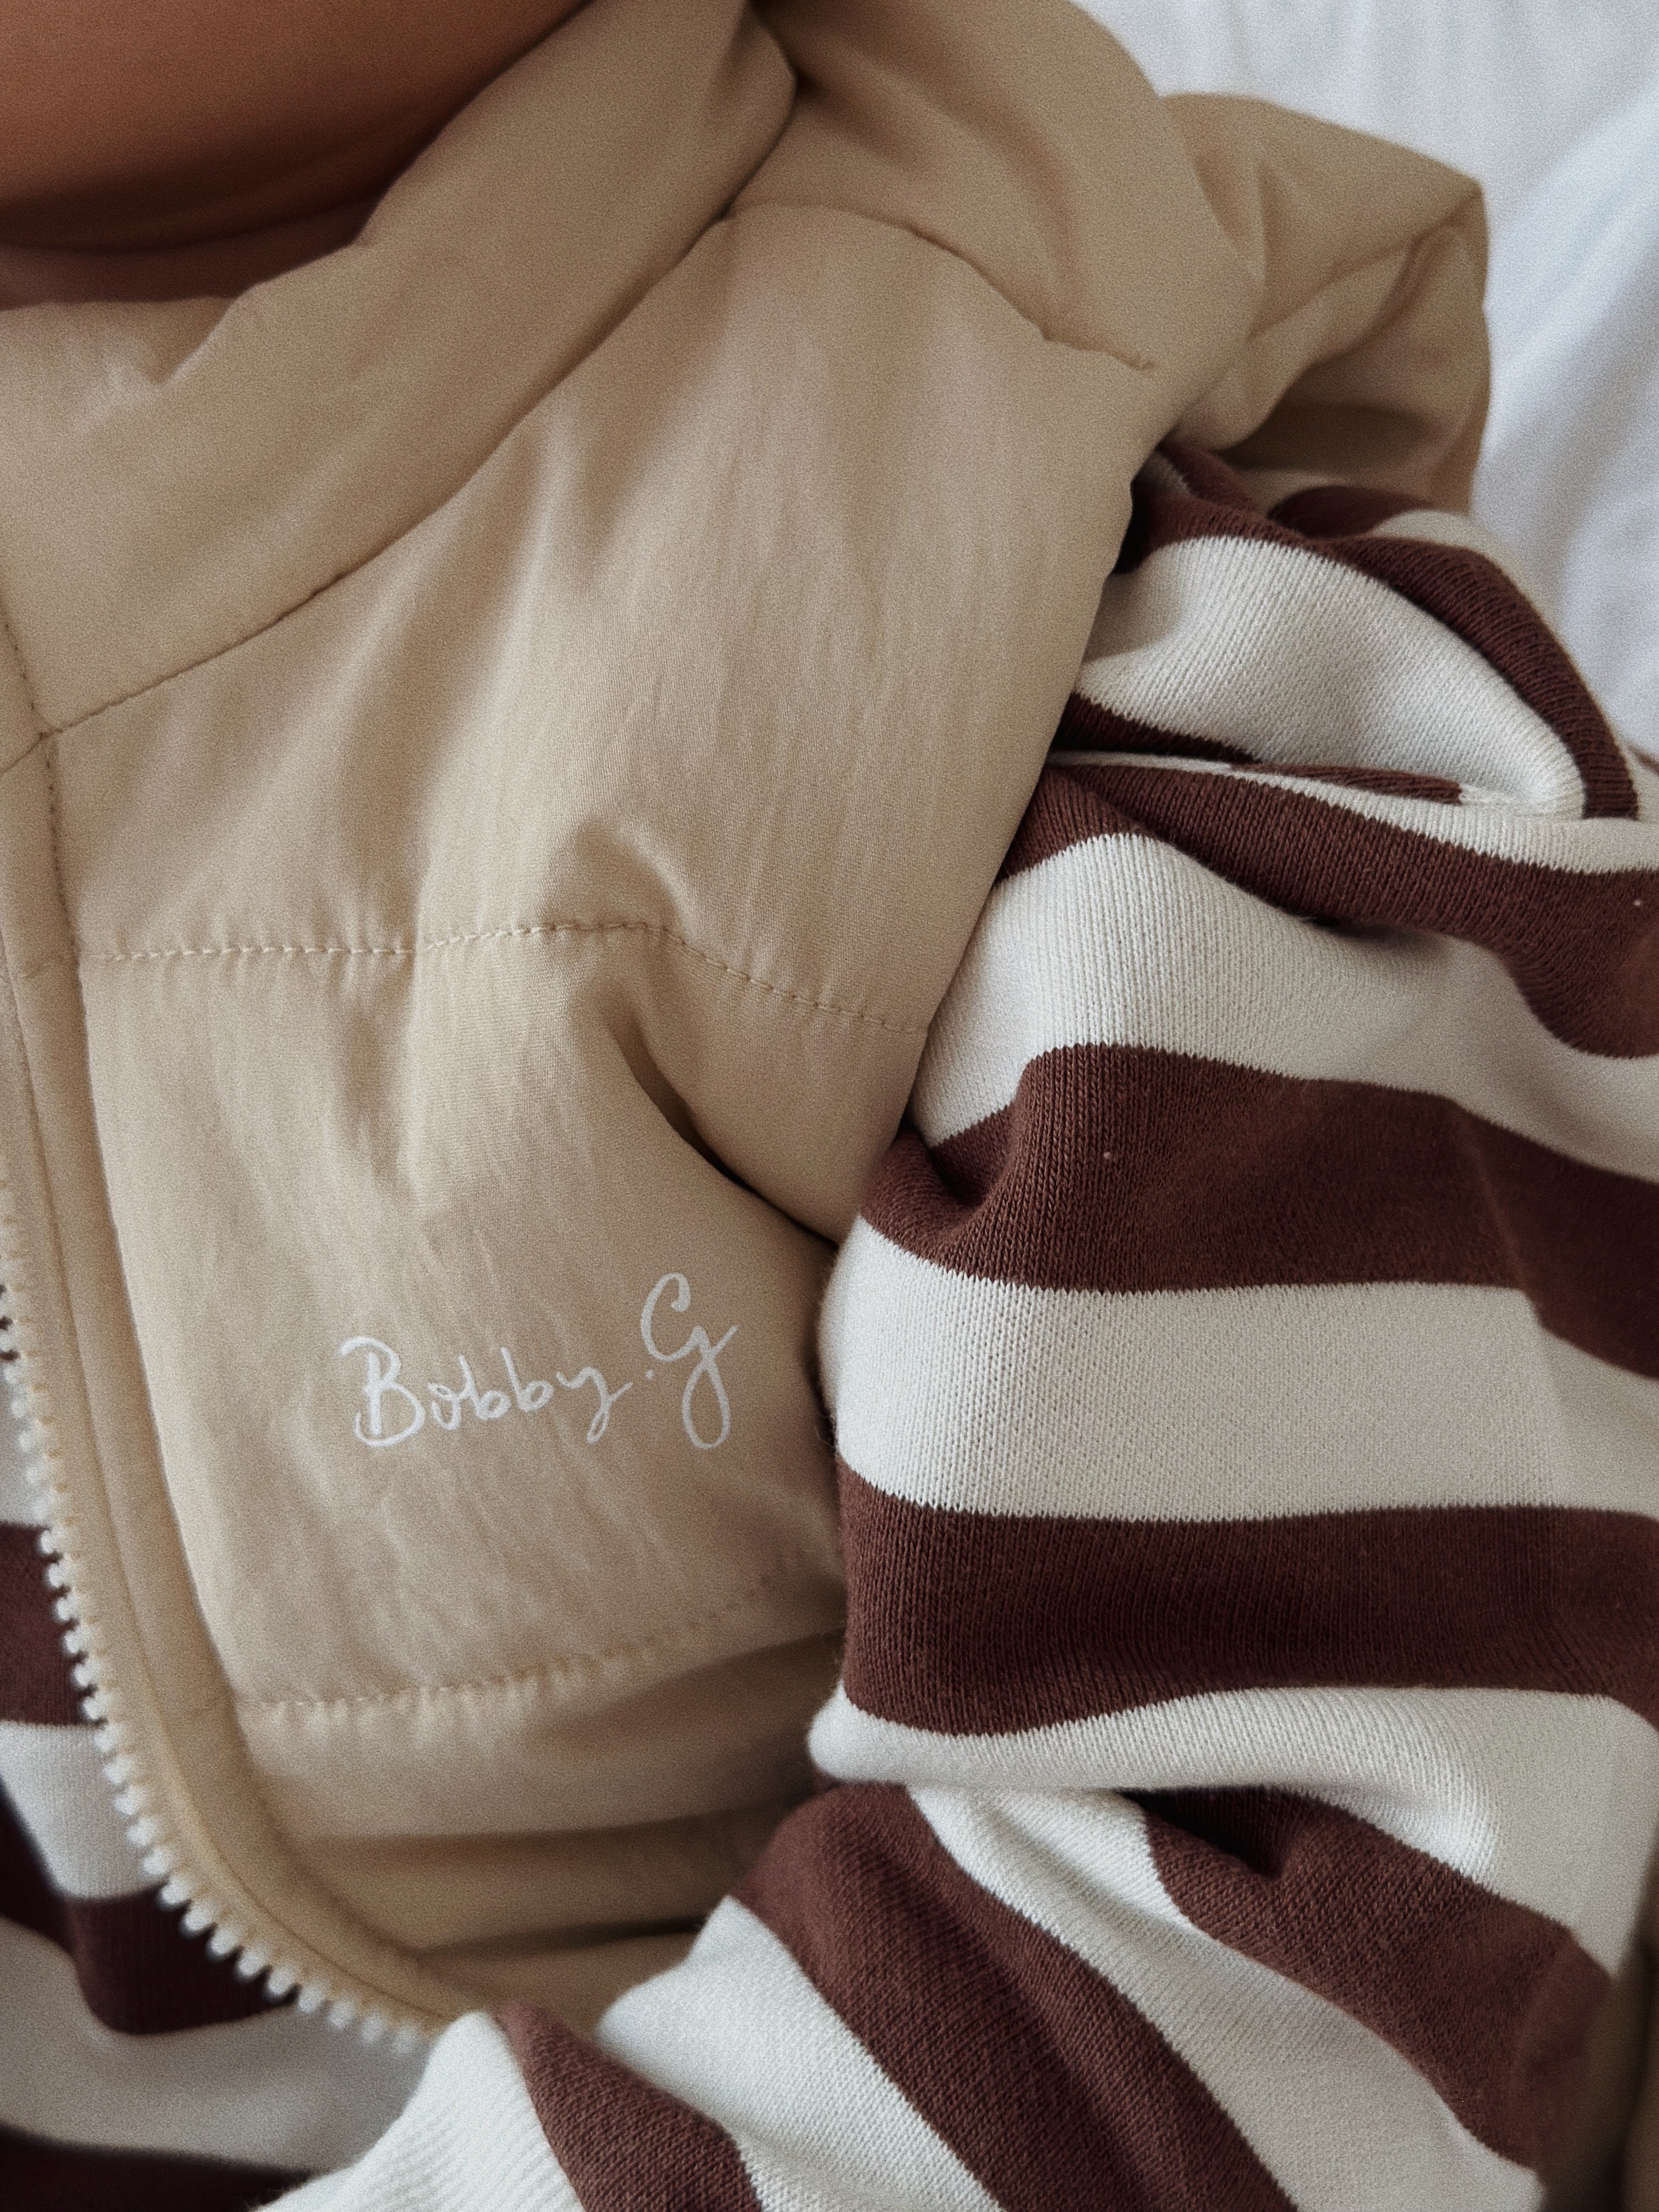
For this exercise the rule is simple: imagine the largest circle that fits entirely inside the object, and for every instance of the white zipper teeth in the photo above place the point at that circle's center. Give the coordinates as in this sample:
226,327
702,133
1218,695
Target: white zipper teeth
136,1802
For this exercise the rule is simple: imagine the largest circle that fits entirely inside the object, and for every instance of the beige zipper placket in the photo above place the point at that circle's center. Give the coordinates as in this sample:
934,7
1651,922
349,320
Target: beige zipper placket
259,1951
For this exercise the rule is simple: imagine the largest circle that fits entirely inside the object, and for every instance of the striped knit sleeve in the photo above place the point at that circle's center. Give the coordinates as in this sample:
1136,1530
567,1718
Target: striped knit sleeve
1245,1376
1245,1379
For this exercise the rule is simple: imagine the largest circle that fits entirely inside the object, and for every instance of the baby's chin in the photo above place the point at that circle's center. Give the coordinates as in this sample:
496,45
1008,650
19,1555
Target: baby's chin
158,125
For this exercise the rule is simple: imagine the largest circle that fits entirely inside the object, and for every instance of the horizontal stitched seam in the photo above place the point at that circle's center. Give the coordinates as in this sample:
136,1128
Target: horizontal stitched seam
572,1666
545,930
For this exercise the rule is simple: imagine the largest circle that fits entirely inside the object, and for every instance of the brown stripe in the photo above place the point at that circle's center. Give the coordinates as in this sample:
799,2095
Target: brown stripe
35,1669
1045,2081
1065,811
1208,479
1452,584
1491,2003
970,1624
1583,949
1119,1168
27,1898
138,1972
1089,727
48,2176
1208,482
1341,510
1387,782
141,1973
625,2145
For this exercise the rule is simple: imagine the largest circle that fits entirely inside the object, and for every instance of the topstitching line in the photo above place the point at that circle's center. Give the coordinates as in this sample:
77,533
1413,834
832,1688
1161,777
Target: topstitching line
406,951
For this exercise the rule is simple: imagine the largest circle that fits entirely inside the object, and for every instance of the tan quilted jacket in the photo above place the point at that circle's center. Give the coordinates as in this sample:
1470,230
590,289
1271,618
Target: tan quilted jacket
504,735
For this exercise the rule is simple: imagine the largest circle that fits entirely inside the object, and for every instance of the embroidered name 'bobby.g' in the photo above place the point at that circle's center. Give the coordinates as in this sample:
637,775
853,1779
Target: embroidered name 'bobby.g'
392,1412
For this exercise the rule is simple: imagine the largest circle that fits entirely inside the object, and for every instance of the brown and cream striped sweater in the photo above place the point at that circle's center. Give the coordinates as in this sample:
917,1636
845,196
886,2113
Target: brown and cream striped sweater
1245,1381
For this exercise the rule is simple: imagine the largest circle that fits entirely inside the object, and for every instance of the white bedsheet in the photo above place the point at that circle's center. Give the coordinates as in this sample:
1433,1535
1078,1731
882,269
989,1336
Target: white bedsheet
1569,474
1554,105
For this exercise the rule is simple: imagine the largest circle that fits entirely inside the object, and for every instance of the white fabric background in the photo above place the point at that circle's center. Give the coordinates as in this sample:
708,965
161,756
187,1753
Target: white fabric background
1554,105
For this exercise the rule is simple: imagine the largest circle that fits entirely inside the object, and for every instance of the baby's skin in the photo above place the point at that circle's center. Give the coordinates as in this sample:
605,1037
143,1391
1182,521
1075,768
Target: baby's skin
158,149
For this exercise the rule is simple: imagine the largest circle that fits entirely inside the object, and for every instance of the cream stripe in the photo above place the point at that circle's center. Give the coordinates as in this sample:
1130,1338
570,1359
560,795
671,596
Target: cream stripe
991,1397
739,2032
1123,940
1296,657
469,2141
1342,2121
55,1779
284,2090
1547,1801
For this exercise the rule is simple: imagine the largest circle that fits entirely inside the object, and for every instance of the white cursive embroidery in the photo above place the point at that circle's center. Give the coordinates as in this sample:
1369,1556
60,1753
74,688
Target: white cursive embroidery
488,1405
601,1420
707,1368
391,1412
531,1396
379,1383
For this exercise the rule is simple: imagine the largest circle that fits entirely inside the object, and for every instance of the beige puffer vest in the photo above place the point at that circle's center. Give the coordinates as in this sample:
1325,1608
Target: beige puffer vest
505,734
